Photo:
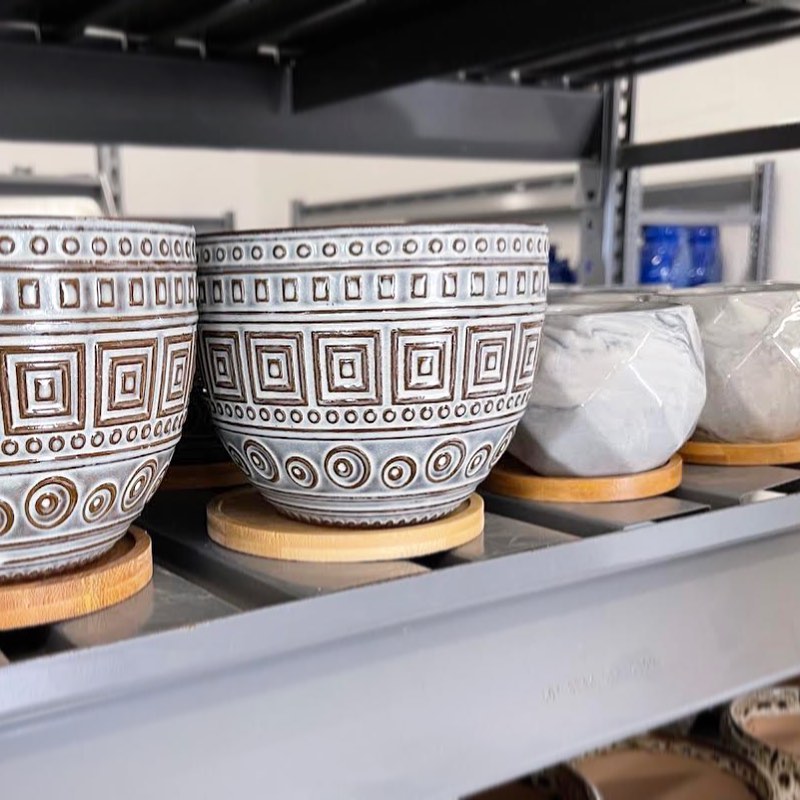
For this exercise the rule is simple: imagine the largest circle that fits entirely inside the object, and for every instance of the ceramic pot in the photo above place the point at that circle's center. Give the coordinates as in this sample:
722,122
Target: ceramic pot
751,338
370,376
765,727
618,390
96,355
662,766
561,782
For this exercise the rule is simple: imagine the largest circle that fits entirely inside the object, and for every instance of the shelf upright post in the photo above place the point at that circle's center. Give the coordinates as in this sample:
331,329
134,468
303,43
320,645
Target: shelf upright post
761,204
109,172
618,113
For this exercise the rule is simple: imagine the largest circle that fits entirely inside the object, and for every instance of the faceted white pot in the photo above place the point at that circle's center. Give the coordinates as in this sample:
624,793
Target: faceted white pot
96,358
751,338
370,376
618,389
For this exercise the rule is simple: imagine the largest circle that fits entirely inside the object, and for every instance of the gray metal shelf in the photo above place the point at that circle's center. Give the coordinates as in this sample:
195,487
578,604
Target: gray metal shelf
447,675
561,628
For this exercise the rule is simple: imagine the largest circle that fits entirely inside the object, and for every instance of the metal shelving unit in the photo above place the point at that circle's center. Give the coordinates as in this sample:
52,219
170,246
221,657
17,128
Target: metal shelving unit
744,199
562,628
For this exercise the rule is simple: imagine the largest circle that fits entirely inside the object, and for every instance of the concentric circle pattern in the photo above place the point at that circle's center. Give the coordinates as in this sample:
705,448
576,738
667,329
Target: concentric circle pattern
445,460
347,467
136,489
302,472
99,502
398,472
261,460
50,502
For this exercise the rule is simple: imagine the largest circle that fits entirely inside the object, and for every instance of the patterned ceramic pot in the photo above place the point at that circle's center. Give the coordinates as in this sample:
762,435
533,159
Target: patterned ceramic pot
370,376
661,765
751,339
765,727
96,356
618,391
561,782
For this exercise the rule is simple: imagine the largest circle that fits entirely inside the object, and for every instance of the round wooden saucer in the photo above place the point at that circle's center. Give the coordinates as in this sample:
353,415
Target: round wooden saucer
119,574
513,479
202,476
242,520
741,455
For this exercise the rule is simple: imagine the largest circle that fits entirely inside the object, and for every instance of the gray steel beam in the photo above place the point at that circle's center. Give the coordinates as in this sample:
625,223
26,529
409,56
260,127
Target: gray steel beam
715,145
731,486
50,93
364,693
167,602
590,519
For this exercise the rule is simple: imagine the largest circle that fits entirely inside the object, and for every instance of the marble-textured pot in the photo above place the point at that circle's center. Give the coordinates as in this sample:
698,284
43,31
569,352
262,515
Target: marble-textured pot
751,338
96,357
618,390
765,727
370,376
660,765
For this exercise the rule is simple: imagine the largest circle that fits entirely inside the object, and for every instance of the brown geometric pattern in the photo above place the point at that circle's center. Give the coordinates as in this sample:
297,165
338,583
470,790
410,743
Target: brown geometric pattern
276,368
423,365
526,358
178,373
346,367
125,378
223,362
46,389
488,360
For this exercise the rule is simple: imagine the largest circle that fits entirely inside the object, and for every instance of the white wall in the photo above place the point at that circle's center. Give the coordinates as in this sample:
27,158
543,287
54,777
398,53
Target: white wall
746,89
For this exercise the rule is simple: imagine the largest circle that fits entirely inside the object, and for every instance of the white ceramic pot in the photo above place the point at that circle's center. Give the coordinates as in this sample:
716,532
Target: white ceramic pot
764,726
370,376
618,390
751,338
97,357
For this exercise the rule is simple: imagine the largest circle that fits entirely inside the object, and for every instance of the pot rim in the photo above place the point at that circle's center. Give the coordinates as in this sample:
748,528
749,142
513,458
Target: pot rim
55,223
723,290
556,309
703,750
372,229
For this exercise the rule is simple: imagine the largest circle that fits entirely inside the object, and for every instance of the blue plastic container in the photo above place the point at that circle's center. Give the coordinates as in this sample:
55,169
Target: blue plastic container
559,268
665,256
706,255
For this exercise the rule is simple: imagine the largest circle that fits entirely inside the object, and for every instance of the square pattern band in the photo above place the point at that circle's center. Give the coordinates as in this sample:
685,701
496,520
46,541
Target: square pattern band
276,368
488,360
423,365
46,390
178,373
346,366
223,364
124,381
427,365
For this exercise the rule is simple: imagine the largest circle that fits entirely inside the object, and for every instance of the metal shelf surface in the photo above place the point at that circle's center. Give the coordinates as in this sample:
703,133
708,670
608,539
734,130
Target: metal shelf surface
426,685
337,50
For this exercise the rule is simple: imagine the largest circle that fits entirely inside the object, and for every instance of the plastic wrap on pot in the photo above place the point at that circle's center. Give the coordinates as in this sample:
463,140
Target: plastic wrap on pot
751,339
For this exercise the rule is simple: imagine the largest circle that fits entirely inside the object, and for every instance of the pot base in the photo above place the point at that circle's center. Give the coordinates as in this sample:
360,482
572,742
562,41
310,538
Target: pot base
123,571
513,479
741,455
242,520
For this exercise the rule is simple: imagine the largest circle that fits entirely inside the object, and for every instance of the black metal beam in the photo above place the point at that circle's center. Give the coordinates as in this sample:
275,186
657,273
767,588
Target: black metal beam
447,36
716,145
68,94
